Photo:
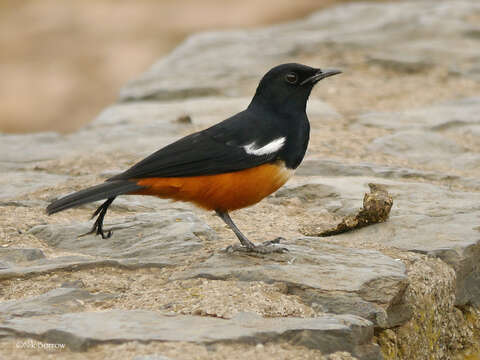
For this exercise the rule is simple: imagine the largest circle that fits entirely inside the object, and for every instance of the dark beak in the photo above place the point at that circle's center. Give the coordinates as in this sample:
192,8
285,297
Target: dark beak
321,74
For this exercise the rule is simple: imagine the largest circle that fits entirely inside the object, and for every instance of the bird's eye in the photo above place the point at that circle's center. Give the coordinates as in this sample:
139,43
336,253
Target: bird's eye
291,78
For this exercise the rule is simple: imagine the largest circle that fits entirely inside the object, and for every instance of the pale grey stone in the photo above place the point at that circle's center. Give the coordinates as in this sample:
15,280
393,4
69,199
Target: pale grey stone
419,146
25,182
20,255
47,265
457,115
151,357
407,35
426,218
328,167
312,268
146,238
80,331
203,79
56,301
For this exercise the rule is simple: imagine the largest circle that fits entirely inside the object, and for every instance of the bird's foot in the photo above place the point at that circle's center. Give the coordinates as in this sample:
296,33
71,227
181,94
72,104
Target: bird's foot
97,229
274,242
103,234
267,247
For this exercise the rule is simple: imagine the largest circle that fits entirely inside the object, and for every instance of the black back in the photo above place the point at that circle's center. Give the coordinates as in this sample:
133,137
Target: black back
276,111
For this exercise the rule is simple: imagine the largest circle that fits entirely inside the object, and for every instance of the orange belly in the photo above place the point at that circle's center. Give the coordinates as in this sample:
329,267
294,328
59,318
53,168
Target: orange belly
228,191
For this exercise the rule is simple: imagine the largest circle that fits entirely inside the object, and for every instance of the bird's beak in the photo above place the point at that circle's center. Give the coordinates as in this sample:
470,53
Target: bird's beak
321,74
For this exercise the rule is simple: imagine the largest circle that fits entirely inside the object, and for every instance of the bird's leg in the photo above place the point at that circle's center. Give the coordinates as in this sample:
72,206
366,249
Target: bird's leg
97,227
247,245
228,220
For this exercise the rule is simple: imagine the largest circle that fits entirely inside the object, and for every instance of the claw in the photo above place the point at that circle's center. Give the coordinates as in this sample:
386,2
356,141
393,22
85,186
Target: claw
109,234
268,247
273,242
97,227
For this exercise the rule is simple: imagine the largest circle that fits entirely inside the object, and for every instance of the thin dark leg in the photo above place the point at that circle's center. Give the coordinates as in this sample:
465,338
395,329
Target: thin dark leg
247,245
97,227
228,220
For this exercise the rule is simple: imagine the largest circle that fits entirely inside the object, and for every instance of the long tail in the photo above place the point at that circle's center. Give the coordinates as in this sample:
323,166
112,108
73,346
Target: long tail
102,191
108,190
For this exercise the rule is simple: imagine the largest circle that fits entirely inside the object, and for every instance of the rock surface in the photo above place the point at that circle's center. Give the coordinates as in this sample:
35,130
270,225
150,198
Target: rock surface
384,31
81,330
422,220
404,114
57,301
151,357
163,240
166,239
312,268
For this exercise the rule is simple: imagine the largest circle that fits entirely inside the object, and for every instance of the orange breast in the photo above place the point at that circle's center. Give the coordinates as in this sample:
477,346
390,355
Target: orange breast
228,191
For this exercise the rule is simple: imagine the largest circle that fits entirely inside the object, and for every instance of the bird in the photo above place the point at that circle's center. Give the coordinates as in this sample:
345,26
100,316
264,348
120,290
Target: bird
228,166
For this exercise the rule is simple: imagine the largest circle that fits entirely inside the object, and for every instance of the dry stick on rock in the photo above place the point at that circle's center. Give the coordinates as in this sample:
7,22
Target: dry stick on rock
376,208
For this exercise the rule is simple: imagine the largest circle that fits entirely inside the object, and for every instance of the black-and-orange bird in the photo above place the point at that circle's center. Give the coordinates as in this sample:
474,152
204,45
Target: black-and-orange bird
231,165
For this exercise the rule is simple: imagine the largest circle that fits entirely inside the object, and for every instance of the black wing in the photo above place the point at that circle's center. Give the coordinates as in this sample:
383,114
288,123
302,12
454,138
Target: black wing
218,149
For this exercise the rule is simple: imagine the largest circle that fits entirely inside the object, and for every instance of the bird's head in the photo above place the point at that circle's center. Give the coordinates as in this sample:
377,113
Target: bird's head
287,87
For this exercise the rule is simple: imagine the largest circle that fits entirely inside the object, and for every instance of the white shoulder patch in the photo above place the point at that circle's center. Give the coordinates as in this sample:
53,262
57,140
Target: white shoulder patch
271,147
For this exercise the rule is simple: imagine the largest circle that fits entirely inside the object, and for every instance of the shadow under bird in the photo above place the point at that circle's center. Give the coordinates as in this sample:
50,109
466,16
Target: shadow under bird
231,165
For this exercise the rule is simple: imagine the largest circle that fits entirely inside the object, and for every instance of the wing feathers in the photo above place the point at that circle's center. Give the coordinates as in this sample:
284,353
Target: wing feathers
272,147
225,147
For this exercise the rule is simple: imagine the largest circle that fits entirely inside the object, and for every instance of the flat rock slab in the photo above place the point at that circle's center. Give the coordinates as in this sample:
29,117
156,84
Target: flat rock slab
11,257
439,222
79,331
145,239
56,301
431,135
426,33
312,268
19,255
139,125
458,115
25,182
47,265
329,167
426,218
419,146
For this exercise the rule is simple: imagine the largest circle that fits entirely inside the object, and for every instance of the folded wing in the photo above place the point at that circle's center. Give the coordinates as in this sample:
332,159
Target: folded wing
235,144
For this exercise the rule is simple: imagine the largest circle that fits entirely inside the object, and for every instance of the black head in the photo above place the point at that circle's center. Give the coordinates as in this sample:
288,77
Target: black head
286,87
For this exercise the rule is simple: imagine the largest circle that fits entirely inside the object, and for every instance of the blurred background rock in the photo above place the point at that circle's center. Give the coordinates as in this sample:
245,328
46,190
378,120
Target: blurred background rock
61,62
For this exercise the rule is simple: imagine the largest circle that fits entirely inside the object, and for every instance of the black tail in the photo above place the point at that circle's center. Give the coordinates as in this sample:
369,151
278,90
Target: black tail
107,190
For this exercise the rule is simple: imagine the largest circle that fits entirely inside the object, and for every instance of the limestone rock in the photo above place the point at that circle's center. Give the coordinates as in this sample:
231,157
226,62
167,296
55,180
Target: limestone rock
426,218
57,301
419,146
329,333
329,167
446,116
11,257
25,182
47,265
20,255
151,357
146,238
427,159
312,268
429,32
